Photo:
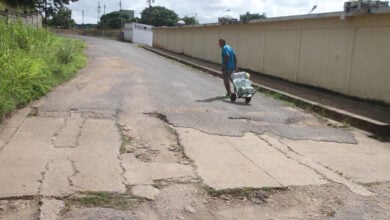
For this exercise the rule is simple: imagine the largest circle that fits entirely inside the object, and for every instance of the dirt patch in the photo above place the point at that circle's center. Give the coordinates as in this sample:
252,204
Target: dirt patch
19,209
193,201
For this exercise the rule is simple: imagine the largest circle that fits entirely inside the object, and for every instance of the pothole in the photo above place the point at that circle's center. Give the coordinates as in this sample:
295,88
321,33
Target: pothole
138,142
254,195
158,115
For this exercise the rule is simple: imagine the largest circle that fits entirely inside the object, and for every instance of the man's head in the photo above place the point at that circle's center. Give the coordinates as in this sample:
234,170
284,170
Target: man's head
221,42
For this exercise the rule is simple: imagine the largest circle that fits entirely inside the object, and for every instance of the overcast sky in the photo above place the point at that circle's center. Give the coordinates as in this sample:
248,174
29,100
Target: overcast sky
207,11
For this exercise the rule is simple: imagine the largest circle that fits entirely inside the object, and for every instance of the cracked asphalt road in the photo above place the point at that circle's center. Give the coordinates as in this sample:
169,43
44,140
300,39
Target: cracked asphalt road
75,142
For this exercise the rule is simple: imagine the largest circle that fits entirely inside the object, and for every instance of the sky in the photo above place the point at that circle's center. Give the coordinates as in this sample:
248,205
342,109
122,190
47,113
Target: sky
206,11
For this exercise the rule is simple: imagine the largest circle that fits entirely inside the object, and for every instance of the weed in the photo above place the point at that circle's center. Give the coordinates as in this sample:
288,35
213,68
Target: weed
322,113
291,104
346,123
308,108
277,96
125,140
32,61
104,200
247,191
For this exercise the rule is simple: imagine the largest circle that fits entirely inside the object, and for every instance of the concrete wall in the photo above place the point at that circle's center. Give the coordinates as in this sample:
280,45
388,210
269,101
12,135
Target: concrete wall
349,56
33,19
138,33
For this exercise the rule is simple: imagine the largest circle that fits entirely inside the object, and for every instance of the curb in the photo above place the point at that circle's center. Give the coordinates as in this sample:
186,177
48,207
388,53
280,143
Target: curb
379,129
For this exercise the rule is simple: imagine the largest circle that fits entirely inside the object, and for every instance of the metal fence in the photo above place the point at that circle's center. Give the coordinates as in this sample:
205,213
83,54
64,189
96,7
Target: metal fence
33,19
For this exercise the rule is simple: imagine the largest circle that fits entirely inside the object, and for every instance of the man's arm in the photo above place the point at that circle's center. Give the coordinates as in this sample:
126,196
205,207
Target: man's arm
235,62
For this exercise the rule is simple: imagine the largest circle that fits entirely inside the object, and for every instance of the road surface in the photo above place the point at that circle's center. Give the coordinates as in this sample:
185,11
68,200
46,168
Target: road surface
158,135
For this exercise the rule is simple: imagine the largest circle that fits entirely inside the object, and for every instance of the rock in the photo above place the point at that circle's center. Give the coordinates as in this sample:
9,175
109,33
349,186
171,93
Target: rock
154,152
189,209
16,205
226,197
3,207
257,200
185,162
131,149
163,183
145,191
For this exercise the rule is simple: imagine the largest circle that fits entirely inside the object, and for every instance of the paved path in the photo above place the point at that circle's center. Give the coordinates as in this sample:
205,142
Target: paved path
367,115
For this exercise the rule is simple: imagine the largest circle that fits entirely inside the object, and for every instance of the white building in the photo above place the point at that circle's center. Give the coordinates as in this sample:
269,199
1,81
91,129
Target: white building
138,33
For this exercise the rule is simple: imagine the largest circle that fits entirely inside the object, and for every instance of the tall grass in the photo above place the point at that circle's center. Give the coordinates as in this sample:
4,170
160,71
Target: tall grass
32,61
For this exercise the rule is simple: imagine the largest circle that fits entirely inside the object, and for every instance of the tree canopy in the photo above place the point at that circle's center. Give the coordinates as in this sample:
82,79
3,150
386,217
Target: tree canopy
54,5
190,20
63,19
159,16
114,20
248,16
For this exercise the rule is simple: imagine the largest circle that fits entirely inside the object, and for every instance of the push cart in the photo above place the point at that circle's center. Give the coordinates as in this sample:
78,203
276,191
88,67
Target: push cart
242,87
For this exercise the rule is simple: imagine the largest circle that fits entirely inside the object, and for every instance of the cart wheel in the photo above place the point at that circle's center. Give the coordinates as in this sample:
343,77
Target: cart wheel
233,97
248,99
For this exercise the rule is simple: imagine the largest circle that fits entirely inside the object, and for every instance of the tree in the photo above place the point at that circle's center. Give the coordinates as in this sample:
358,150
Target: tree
244,18
159,16
21,3
62,18
114,20
54,5
49,7
190,20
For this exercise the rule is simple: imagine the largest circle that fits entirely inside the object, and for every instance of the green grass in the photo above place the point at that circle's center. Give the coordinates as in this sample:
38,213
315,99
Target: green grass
104,200
32,62
125,140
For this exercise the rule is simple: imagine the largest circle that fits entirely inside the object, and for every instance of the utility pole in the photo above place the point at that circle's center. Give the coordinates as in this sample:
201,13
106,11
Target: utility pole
99,9
150,11
82,24
45,13
120,12
150,3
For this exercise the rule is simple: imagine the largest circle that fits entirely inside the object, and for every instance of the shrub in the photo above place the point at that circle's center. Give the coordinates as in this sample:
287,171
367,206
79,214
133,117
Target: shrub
32,61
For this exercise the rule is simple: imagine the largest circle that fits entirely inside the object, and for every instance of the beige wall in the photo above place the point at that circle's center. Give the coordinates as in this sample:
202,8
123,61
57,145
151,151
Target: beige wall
350,56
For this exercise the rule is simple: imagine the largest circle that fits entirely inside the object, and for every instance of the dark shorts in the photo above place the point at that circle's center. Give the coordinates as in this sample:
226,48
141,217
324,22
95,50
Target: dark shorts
226,75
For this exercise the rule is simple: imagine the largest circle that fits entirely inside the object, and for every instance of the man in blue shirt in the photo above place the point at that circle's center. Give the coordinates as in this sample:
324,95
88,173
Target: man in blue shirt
229,64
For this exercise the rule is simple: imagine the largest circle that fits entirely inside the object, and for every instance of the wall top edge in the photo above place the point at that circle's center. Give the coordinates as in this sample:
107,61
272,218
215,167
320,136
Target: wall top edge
338,14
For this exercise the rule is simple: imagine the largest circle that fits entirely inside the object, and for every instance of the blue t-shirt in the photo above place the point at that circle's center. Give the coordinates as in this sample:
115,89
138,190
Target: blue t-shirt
228,51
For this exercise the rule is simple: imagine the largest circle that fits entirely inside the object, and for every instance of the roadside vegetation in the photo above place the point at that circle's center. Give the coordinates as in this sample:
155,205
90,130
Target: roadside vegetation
32,61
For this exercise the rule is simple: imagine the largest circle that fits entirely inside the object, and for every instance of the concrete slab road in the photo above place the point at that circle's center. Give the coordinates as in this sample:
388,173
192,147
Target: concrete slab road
138,136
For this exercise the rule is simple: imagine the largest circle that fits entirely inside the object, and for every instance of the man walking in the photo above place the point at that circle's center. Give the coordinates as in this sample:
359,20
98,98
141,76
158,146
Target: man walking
229,64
